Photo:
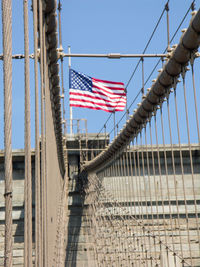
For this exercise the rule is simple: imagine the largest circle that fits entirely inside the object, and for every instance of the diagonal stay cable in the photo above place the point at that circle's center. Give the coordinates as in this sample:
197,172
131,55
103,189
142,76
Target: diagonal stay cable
147,45
175,33
143,112
170,41
134,71
191,7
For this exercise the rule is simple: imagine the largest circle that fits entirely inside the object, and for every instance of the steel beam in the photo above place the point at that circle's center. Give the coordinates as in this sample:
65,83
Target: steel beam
114,55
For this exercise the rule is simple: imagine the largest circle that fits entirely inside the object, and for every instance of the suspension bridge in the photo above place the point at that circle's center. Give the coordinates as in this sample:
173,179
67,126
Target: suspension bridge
79,199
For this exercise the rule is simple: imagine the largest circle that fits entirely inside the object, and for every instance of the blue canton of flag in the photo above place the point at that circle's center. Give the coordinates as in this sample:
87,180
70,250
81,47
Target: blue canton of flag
80,81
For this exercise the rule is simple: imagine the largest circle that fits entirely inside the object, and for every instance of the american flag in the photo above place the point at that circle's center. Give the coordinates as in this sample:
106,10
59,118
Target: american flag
88,92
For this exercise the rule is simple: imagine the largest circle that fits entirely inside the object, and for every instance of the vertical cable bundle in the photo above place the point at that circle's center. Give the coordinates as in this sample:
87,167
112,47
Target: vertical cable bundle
7,68
28,177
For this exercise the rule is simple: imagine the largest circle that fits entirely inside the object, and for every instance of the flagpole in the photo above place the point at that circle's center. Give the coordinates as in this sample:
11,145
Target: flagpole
70,108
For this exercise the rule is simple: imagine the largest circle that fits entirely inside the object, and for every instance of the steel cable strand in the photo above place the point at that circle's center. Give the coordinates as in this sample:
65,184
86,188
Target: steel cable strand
28,178
125,214
161,185
154,30
145,196
62,220
97,222
150,192
7,71
112,231
107,193
139,190
182,171
123,224
37,145
42,127
191,158
174,179
92,210
100,205
187,12
127,193
58,227
146,81
65,210
141,242
134,194
62,80
167,183
90,231
133,73
179,57
154,182
46,210
195,97
59,246
142,151
149,232
197,122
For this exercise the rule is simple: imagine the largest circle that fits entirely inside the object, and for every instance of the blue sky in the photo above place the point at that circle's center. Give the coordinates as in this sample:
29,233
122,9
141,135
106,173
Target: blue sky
92,26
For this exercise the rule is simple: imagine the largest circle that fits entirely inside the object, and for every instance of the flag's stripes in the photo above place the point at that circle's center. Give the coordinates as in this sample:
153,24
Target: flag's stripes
99,96
116,99
100,93
107,93
109,82
87,97
87,92
108,85
81,104
96,102
108,89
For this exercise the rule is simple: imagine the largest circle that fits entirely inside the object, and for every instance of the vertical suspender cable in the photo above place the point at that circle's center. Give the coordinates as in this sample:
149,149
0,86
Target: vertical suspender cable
7,68
37,146
28,180
168,38
142,60
195,97
45,188
70,108
42,130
